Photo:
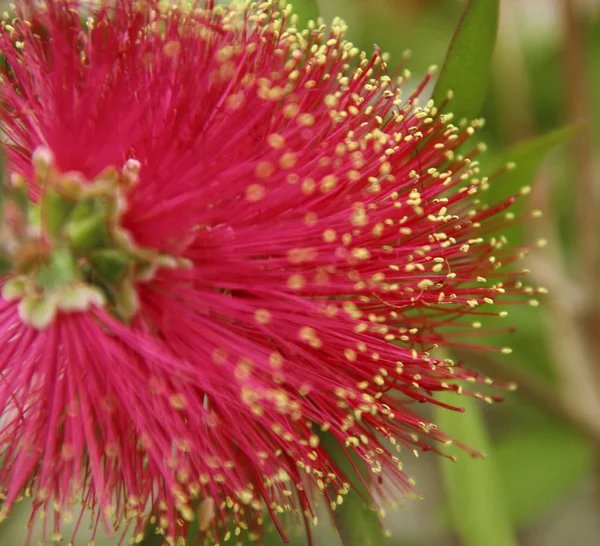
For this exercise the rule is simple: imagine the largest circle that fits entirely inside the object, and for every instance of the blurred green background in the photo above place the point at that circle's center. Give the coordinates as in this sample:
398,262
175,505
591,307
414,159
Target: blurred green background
544,440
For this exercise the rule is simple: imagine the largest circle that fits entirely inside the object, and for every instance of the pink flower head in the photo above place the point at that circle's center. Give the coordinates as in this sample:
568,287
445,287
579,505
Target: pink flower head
225,237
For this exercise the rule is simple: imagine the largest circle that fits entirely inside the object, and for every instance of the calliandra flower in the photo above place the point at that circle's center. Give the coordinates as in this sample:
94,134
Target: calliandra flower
223,238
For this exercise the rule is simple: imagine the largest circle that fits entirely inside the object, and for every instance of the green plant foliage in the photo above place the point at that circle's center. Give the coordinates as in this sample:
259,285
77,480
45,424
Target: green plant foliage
467,66
538,466
151,538
357,522
521,331
527,158
306,10
474,495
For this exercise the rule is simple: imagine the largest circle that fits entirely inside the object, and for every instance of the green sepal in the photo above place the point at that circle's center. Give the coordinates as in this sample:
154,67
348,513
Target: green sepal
110,264
87,233
83,209
55,211
57,271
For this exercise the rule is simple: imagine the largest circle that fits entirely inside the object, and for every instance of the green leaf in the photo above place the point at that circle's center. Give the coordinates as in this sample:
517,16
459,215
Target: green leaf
151,538
306,10
520,330
527,157
466,69
538,466
474,495
357,523
11,528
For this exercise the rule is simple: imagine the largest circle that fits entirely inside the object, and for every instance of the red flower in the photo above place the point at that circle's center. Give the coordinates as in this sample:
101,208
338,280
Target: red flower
225,236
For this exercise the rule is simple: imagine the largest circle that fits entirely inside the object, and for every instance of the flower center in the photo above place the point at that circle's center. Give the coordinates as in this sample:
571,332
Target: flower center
67,251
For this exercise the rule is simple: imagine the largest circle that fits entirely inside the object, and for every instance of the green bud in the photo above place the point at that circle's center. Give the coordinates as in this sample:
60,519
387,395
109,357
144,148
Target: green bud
127,300
131,171
146,271
80,297
37,311
69,248
166,261
14,289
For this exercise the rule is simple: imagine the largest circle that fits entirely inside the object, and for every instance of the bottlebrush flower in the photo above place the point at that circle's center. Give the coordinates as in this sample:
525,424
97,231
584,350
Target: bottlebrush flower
222,238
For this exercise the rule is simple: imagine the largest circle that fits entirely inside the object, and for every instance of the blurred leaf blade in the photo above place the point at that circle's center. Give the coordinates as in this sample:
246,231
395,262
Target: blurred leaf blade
479,513
527,157
151,537
357,523
466,69
306,10
531,487
13,521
